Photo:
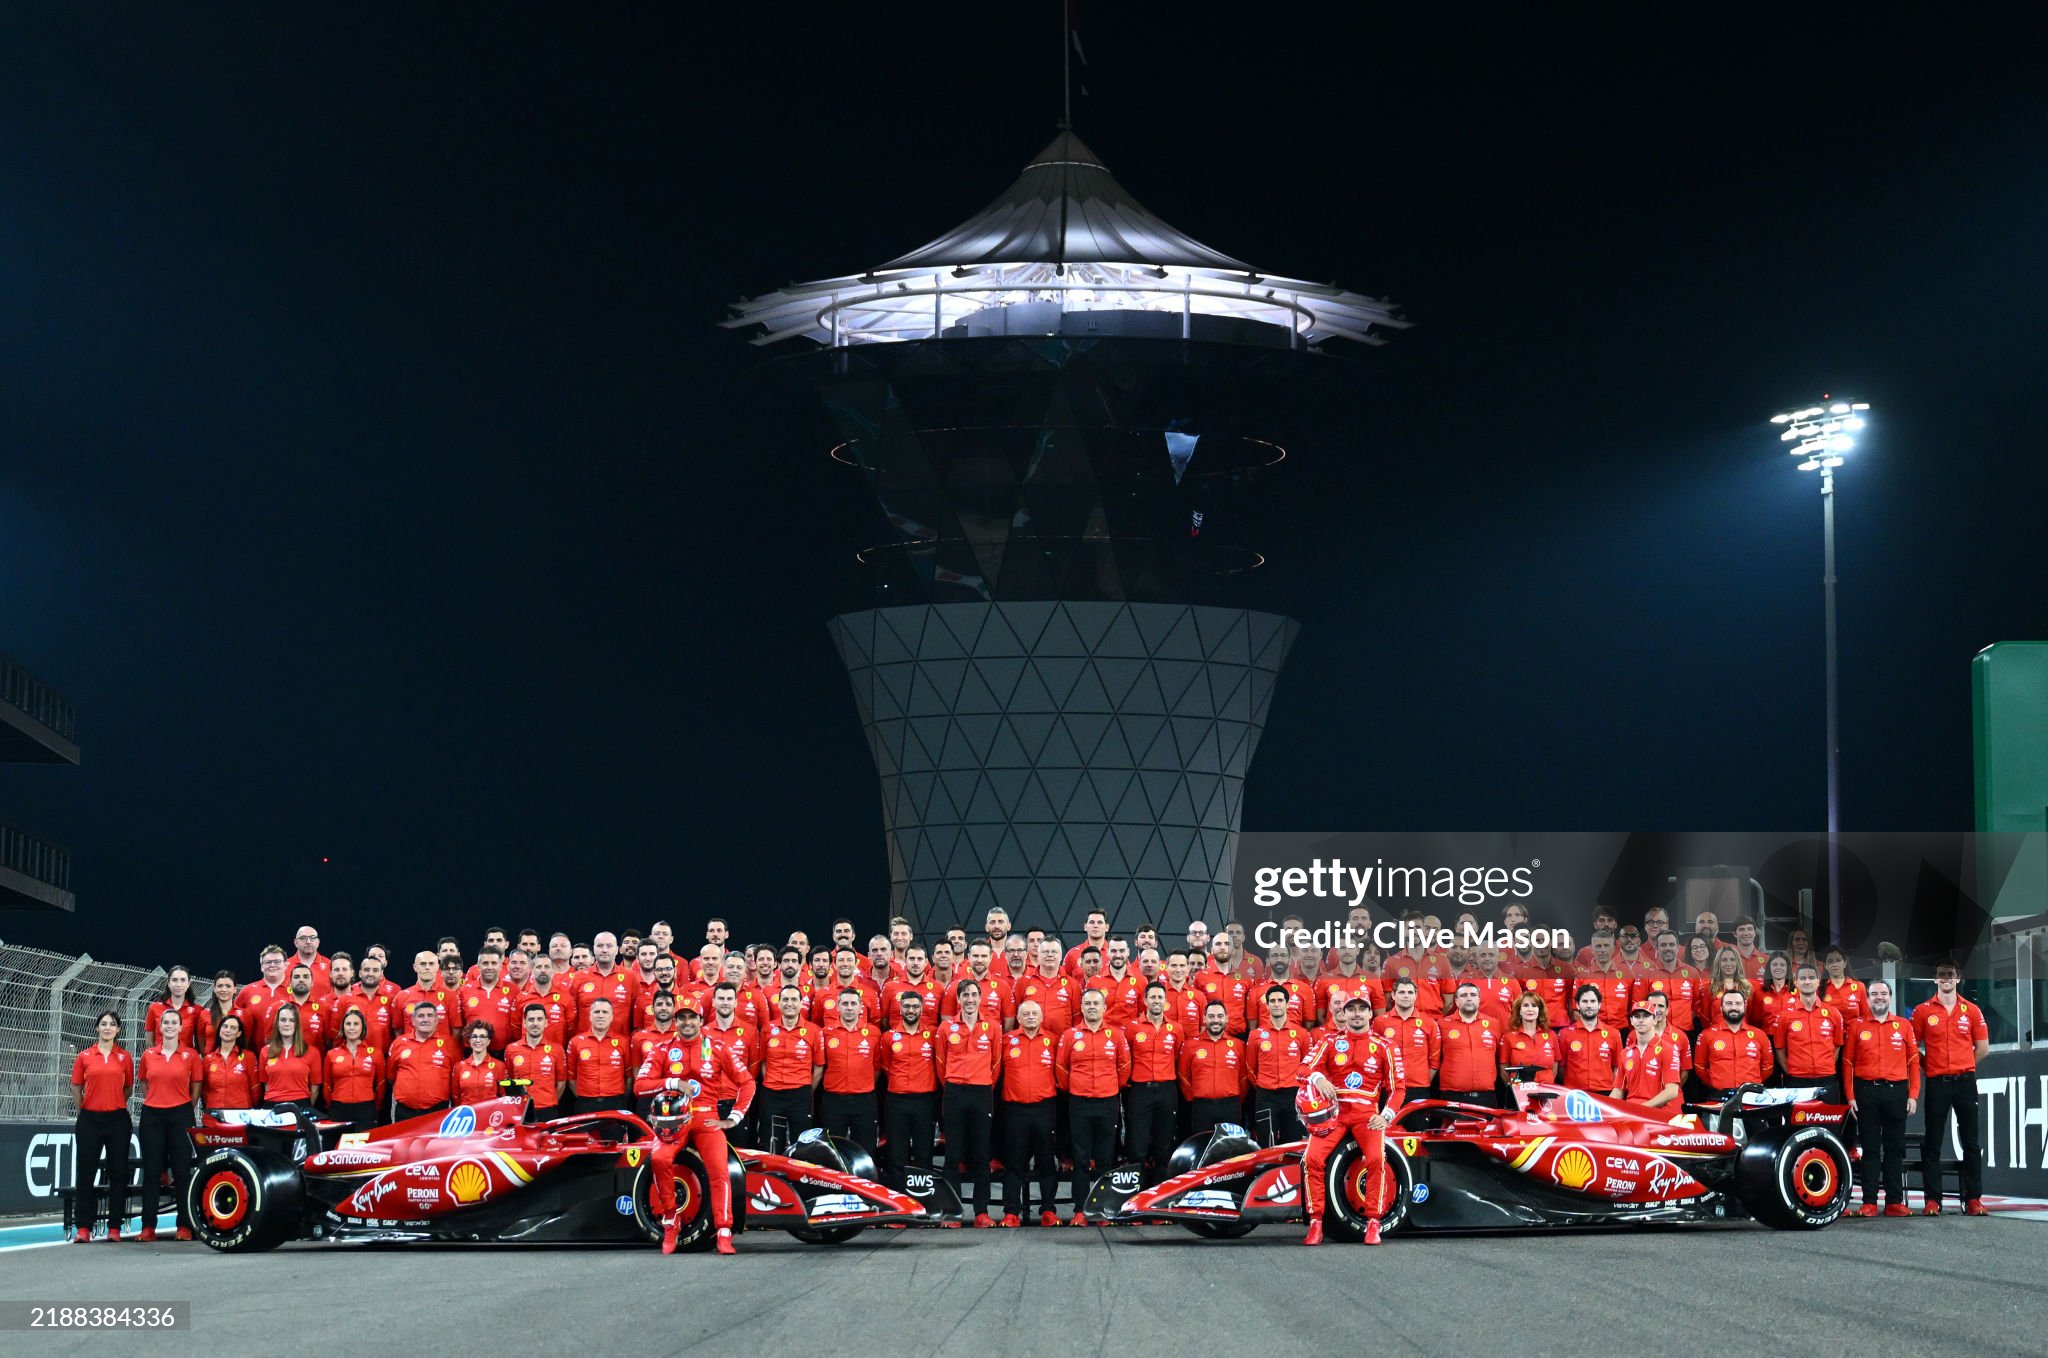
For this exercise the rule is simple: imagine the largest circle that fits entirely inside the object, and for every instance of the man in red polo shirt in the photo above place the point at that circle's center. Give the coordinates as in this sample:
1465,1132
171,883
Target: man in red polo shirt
421,1063
1589,1051
1810,1036
1414,1034
1881,1080
910,1070
1954,1038
1029,1086
1730,1054
1469,1050
1050,988
1091,1067
491,998
538,1059
1650,1065
1275,1051
607,980
600,1062
853,1051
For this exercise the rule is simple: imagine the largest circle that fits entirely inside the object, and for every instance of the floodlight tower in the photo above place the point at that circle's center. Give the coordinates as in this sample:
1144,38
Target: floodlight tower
1819,437
1057,407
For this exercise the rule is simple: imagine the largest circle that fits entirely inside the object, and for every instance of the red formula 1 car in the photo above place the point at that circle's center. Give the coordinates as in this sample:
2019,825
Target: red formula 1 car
1560,1157
486,1173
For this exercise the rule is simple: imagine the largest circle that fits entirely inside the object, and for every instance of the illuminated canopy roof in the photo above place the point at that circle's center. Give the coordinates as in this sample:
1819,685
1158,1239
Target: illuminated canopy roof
1064,239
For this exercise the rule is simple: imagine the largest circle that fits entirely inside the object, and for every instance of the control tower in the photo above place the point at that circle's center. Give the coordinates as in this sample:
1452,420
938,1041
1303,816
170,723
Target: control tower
1058,408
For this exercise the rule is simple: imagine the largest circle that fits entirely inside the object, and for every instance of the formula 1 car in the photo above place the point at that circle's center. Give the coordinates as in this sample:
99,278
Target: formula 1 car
1559,1157
484,1172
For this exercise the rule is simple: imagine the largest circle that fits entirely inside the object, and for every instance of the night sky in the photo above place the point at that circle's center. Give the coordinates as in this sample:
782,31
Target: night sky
420,555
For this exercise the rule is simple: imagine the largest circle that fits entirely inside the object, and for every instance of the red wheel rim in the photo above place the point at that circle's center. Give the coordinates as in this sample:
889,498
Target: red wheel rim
225,1200
1814,1178
688,1204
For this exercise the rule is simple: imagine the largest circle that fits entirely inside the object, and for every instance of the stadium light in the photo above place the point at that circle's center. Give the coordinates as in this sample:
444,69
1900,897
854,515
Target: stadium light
1819,437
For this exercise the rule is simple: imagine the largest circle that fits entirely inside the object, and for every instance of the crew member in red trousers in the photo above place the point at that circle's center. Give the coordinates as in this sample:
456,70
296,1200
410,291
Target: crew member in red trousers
1355,1067
693,1069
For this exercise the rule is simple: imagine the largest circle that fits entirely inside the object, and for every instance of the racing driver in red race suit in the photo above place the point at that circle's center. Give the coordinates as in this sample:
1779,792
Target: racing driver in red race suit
1351,1067
687,1112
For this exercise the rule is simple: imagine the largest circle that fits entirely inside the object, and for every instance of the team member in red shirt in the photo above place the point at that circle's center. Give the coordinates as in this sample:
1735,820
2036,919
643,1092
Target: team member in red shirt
1530,1042
1550,977
910,1067
317,1009
1881,1080
969,1056
290,1070
793,1060
362,997
1589,1051
1847,994
1051,989
606,980
853,1050
1730,1054
724,1026
1124,983
258,1000
600,1061
1617,983
490,998
661,1032
353,1078
1225,981
1651,1067
230,1069
195,1029
102,1075
694,1069
916,980
1353,1067
557,995
307,940
1954,1039
1771,993
1029,1084
1091,1067
1414,1034
538,1059
425,990
845,976
1679,982
1345,979
995,1003
171,1076
1213,1072
1469,1047
1094,934
420,1064
1152,1099
1274,1053
478,1075
1184,999
1810,1036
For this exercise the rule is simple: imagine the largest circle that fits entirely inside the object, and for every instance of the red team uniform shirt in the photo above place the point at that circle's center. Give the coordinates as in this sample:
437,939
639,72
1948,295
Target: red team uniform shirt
354,1079
1589,1058
229,1080
168,1080
543,1065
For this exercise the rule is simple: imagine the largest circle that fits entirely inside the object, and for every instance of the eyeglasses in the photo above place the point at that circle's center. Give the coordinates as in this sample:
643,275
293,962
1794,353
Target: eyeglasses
307,938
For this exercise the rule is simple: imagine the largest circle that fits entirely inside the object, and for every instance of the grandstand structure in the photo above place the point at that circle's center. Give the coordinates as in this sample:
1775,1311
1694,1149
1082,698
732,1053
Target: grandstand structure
37,726
1059,408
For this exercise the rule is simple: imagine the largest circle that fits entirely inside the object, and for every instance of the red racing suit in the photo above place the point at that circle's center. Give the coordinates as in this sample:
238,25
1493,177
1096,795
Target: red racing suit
1362,1066
699,1065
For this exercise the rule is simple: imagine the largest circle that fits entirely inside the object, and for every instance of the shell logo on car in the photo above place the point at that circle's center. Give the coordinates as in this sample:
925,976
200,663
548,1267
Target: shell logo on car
1573,1168
468,1183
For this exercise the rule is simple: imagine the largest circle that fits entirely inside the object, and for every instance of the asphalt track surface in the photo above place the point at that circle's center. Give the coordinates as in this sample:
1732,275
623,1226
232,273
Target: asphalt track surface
1968,1288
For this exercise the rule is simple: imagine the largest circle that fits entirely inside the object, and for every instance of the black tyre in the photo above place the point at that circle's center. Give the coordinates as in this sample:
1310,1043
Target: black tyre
1221,1230
1794,1180
693,1200
240,1201
1350,1195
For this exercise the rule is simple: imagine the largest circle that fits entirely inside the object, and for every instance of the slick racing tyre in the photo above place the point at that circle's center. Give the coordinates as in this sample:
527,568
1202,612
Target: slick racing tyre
242,1201
1351,1195
692,1200
1221,1230
1796,1180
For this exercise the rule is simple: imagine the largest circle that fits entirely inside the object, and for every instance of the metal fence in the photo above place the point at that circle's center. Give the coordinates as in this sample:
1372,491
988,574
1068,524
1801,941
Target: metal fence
48,1002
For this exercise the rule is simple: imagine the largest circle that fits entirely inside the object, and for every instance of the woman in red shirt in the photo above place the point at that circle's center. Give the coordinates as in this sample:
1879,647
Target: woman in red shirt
1728,973
171,1076
478,1075
1772,994
220,1003
1529,1042
103,1074
355,1075
228,1078
195,1028
290,1069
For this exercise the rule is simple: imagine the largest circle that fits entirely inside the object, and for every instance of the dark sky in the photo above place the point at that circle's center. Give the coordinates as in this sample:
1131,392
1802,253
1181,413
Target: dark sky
375,480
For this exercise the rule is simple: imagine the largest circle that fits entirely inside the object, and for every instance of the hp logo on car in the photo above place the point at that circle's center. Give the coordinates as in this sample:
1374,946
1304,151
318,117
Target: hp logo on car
459,1122
1580,1107
1421,1193
623,1204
